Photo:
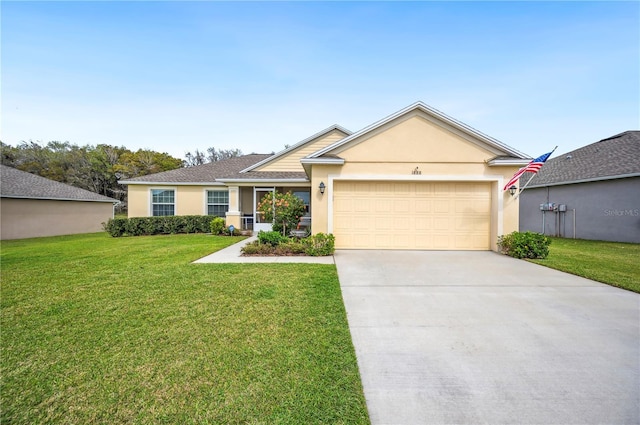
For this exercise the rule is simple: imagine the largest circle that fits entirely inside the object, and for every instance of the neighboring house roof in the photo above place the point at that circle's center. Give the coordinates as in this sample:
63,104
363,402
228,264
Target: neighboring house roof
15,183
611,158
205,173
458,125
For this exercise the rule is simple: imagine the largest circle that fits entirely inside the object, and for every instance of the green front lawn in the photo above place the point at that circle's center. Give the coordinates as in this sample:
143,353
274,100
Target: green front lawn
102,330
614,263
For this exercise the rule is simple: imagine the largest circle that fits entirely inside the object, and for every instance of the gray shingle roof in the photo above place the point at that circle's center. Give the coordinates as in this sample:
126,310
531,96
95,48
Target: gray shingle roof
266,175
617,155
219,170
205,173
15,183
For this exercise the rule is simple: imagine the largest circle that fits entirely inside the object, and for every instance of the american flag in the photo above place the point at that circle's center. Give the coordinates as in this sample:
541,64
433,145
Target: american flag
532,167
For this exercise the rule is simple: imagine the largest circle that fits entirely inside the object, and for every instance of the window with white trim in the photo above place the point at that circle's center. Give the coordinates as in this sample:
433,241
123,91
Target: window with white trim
163,202
217,202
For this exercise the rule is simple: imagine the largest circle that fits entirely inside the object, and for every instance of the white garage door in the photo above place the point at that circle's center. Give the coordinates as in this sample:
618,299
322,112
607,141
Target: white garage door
411,215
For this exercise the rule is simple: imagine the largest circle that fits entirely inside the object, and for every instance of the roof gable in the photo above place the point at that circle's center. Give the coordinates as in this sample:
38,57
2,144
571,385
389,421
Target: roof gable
289,158
412,137
20,184
437,119
614,157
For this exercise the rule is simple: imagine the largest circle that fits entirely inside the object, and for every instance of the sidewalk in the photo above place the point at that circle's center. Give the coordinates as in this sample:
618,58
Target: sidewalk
232,254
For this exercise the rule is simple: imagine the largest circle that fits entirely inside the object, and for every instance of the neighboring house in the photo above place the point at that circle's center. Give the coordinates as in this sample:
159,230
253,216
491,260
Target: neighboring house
32,206
590,193
416,179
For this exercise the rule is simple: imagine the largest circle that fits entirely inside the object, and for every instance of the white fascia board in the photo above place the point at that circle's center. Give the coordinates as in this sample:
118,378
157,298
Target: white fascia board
328,161
296,146
127,182
595,179
508,162
115,201
265,181
430,111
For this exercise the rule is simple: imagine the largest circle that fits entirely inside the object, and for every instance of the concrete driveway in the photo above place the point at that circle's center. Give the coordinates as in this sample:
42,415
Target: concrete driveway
480,338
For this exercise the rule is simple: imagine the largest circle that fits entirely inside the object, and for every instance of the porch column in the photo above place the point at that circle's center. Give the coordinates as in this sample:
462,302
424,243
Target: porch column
233,215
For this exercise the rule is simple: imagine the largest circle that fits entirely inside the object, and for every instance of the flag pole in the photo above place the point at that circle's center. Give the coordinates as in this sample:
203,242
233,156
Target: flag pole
529,181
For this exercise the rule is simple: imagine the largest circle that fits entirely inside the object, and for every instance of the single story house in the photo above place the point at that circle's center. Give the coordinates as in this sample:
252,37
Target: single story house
416,179
33,206
589,193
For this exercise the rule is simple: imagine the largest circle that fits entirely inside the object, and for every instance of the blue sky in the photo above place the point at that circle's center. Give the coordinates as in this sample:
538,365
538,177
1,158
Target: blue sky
180,76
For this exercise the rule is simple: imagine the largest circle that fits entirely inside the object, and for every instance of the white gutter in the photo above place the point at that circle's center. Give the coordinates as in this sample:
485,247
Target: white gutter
330,161
264,181
215,183
508,162
115,201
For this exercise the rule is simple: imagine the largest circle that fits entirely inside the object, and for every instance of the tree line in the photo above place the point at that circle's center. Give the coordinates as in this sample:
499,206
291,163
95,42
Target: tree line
98,168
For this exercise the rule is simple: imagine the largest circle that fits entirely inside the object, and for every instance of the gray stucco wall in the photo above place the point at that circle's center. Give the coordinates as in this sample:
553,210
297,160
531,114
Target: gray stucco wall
606,210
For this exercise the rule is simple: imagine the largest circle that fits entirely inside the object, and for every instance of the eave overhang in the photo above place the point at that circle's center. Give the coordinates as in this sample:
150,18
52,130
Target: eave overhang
152,183
511,162
263,181
308,162
43,198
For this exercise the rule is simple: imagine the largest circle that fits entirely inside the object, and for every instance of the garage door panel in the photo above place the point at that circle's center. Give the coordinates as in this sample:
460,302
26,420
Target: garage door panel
423,223
402,206
423,241
422,206
441,241
442,206
423,190
383,206
412,215
402,189
472,224
441,223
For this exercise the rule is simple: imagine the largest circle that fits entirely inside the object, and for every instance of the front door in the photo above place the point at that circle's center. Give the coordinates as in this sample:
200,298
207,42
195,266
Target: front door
258,219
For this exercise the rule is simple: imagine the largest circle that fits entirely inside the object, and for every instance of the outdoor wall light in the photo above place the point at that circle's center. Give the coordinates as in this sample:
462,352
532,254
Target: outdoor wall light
513,189
321,187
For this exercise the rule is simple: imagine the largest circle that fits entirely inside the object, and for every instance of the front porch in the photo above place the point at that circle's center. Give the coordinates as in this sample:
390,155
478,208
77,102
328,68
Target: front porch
243,202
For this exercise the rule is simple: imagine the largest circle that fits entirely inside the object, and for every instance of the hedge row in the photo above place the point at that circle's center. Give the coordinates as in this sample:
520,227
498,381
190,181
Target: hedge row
138,226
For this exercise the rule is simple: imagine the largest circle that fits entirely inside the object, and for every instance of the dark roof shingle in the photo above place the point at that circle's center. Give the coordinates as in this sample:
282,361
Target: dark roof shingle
15,183
618,155
205,173
219,170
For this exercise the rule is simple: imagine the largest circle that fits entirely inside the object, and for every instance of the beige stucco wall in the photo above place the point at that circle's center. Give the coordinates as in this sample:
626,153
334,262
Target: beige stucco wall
390,153
190,200
138,203
291,161
29,218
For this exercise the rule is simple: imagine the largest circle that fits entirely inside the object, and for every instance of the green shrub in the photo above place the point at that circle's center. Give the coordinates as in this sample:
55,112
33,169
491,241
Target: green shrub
116,227
138,226
272,238
287,247
291,247
525,245
217,225
319,244
257,248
